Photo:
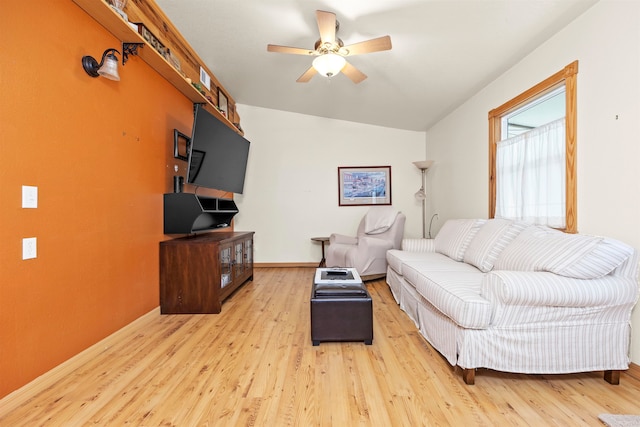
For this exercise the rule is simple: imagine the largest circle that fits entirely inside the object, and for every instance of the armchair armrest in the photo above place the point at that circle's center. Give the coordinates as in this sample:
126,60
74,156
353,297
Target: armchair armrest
342,239
370,253
373,245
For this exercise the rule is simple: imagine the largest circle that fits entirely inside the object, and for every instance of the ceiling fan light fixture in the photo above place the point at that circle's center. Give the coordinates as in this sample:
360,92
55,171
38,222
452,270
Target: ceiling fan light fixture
329,64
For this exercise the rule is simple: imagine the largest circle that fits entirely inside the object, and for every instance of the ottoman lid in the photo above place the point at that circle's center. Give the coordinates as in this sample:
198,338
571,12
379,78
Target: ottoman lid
337,288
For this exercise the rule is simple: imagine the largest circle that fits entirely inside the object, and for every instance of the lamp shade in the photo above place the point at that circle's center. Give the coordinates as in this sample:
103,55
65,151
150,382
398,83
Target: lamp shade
423,164
329,64
110,68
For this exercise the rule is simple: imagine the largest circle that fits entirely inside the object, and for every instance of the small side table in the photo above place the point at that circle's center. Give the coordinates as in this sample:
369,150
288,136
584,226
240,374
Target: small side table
322,240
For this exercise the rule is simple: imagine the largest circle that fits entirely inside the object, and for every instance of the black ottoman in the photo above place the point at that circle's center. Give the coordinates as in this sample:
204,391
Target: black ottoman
341,310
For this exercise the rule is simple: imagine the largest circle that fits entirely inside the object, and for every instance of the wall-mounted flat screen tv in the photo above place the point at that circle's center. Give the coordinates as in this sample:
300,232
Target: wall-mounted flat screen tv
218,155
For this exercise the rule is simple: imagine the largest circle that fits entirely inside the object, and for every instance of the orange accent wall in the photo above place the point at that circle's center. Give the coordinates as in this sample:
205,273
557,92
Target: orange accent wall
101,154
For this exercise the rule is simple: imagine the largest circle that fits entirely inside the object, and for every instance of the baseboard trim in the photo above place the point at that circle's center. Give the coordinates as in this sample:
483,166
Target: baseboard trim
21,395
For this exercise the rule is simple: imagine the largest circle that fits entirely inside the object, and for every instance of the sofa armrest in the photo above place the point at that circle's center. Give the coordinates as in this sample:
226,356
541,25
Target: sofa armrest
342,239
418,245
537,288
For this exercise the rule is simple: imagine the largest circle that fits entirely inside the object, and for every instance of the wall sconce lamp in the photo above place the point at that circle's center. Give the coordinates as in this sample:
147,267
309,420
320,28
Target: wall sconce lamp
108,66
421,195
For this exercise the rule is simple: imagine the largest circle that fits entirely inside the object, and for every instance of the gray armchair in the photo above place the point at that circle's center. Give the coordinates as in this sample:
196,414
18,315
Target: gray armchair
381,229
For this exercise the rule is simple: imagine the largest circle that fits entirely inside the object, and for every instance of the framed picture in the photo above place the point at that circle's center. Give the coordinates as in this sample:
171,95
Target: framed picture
364,185
181,145
222,103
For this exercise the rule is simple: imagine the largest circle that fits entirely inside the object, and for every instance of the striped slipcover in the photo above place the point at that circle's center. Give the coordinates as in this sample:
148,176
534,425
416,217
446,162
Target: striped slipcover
519,321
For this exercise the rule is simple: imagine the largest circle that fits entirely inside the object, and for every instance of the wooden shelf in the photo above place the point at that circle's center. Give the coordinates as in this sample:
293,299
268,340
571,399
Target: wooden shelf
122,30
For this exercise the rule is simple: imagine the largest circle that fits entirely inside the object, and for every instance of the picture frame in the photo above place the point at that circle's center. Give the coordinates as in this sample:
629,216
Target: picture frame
181,145
364,185
223,105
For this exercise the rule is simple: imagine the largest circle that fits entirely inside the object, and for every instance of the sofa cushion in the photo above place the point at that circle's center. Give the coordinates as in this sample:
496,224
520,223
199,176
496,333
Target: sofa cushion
455,235
539,248
490,241
605,257
430,262
456,294
396,258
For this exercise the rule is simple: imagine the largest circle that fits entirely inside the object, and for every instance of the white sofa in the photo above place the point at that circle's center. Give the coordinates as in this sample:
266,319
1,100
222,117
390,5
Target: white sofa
514,297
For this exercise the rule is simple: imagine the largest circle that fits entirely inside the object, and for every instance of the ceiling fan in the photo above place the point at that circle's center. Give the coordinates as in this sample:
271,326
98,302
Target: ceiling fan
330,51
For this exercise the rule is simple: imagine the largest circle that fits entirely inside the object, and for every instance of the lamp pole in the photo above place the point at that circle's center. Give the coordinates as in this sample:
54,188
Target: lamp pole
424,204
421,195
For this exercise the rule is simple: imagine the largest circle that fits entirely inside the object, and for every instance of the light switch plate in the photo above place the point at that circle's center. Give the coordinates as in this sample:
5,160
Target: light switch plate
29,248
29,196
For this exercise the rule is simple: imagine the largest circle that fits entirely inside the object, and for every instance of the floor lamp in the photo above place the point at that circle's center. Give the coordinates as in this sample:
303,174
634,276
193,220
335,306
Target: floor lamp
421,195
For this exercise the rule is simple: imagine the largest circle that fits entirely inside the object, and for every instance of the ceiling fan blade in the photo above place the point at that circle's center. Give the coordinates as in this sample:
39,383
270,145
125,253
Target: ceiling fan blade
353,73
304,78
369,46
326,26
291,50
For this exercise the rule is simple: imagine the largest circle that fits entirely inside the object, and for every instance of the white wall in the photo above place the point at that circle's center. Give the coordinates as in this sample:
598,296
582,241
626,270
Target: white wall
291,187
606,42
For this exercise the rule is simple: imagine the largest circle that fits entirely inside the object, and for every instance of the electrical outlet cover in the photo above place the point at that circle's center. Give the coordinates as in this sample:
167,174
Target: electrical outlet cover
29,196
29,248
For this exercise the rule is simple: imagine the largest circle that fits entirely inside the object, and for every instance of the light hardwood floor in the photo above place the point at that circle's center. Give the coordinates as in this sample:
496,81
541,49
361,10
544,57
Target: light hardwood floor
254,364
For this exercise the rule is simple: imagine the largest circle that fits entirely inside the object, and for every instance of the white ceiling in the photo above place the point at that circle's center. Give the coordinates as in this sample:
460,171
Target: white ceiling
444,51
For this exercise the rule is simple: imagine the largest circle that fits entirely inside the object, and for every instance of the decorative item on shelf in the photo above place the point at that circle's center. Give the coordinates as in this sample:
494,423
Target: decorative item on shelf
421,195
150,38
108,66
118,6
237,125
231,111
198,87
172,59
223,105
205,78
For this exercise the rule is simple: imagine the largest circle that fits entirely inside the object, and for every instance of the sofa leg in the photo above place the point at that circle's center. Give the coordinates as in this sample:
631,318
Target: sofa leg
469,376
612,377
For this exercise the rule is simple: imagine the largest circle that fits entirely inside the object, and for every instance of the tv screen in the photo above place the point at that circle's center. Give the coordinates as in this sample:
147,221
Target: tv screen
218,155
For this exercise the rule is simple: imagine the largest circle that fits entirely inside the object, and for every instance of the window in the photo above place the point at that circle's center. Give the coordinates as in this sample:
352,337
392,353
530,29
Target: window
530,179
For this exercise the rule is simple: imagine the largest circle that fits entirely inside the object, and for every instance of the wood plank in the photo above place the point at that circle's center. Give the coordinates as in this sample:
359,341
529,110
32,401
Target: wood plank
254,364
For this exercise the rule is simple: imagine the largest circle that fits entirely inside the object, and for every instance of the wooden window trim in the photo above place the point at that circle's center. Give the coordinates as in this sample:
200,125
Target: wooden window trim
568,77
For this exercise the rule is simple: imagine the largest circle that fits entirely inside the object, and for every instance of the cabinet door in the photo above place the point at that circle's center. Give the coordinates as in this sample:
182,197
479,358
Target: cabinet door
239,258
226,262
248,253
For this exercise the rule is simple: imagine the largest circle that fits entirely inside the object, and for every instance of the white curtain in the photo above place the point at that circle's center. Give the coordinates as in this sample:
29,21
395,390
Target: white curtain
530,176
